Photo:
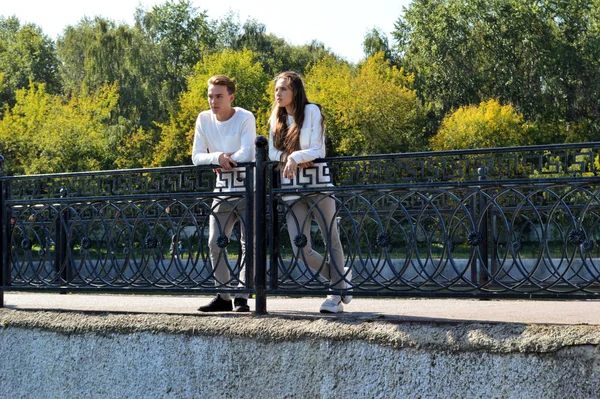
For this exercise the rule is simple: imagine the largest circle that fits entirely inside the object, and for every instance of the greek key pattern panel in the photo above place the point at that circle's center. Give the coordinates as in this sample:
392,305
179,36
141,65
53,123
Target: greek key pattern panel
164,181
465,166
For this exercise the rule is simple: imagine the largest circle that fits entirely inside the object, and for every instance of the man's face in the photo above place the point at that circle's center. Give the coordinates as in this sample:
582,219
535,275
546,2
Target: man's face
220,100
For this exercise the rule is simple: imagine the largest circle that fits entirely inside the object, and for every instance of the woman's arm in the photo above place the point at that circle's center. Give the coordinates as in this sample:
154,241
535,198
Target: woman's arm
274,153
312,139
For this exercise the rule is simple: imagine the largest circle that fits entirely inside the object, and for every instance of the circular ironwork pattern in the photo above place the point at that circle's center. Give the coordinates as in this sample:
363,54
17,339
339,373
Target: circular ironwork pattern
577,237
151,242
94,243
222,241
532,231
587,245
300,240
383,240
474,238
26,244
516,246
86,243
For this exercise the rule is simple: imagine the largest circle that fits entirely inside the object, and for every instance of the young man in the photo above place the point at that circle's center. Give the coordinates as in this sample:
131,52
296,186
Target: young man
225,136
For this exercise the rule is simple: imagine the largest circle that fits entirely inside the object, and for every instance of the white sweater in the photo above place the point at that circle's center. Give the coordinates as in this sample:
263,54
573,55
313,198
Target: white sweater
213,138
312,146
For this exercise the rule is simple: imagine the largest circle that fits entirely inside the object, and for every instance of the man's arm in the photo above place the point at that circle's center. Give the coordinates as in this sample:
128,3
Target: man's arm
200,153
246,153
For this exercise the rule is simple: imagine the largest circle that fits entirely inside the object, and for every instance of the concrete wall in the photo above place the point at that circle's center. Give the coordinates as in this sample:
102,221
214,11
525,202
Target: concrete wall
76,355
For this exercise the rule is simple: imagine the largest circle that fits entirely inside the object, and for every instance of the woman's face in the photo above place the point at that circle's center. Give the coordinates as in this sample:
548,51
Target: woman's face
284,97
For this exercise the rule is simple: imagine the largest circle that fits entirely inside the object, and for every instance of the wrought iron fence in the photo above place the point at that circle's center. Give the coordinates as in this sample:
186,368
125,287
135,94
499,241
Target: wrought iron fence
144,229
509,222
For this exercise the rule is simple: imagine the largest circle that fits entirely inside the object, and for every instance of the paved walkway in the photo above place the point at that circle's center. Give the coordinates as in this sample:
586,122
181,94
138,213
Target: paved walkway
399,310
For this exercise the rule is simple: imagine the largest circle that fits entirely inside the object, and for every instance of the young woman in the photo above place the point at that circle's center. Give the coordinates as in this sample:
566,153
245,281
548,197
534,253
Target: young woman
297,138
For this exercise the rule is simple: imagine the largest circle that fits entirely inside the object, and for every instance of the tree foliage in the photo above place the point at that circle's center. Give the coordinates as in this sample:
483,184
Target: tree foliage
275,54
487,125
369,109
375,42
542,57
26,54
98,52
43,134
181,36
146,83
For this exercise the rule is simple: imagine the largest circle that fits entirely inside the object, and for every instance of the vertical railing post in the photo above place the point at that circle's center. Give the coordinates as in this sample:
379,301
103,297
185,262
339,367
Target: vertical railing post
273,231
61,258
472,248
3,233
260,217
250,223
483,246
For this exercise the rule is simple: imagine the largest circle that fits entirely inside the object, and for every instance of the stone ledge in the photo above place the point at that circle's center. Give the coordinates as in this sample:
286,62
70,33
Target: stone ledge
448,337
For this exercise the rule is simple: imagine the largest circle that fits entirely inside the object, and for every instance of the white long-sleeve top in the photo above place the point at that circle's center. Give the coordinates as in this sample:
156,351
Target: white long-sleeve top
312,146
213,138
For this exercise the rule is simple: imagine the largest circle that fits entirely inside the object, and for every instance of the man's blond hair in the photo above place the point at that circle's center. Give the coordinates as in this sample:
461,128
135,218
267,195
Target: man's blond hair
222,80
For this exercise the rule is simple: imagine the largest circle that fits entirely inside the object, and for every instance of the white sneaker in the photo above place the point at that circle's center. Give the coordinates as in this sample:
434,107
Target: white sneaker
333,304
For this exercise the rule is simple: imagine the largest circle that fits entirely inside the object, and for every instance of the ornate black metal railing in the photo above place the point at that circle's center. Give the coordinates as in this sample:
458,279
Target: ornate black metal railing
144,229
510,222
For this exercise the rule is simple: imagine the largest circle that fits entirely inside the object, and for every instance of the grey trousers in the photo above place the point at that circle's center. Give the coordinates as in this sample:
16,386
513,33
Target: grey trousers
222,221
322,208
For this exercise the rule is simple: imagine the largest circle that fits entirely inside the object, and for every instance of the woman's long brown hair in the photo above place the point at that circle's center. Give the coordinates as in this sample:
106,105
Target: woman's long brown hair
287,138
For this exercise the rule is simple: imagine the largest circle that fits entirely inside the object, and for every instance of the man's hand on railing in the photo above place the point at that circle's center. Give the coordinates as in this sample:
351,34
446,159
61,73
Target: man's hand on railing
226,162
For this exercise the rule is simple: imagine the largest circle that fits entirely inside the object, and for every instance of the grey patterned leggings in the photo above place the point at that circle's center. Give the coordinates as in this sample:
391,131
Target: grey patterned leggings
322,208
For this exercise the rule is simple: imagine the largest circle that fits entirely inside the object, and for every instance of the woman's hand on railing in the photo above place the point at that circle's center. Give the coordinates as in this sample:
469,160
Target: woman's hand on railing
290,168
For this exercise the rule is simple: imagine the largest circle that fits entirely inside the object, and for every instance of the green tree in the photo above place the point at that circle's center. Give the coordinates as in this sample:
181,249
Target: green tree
369,109
542,57
149,64
26,55
43,134
376,41
487,125
182,36
227,31
301,58
274,53
96,52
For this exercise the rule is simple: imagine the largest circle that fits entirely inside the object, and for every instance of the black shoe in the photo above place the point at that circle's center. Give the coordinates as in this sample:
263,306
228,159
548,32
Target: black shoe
218,304
241,305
